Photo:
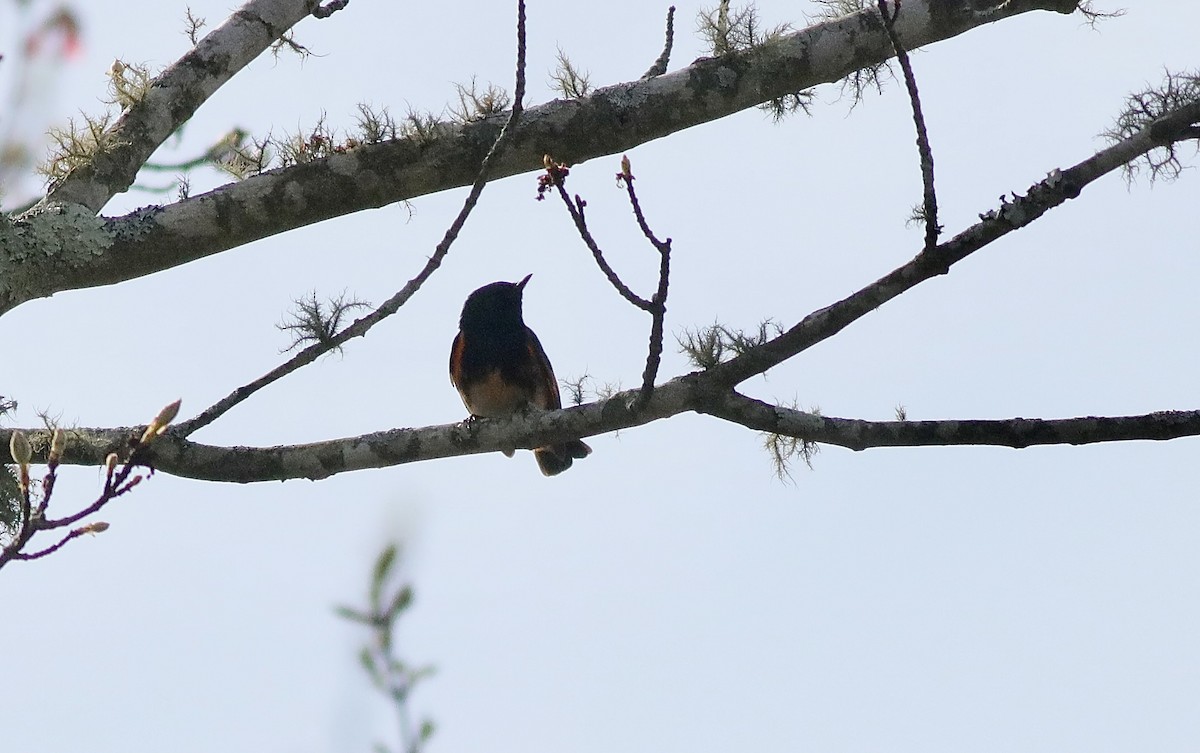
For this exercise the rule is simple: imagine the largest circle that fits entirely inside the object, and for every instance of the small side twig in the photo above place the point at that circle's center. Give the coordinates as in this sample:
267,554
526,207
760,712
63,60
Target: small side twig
92,528
658,310
118,481
329,8
929,211
660,65
362,325
555,178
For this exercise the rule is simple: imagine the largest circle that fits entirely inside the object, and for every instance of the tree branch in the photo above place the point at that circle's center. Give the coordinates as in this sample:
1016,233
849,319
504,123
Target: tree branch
181,457
610,120
174,97
1018,433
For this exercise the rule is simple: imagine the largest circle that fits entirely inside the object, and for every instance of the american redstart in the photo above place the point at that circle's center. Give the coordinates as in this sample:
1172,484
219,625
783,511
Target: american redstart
499,368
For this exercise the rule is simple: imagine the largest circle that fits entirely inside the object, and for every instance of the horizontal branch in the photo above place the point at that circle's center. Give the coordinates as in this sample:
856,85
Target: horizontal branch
178,456
1018,433
610,120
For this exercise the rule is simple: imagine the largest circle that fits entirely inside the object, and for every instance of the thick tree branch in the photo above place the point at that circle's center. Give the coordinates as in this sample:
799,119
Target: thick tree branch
174,97
181,457
610,120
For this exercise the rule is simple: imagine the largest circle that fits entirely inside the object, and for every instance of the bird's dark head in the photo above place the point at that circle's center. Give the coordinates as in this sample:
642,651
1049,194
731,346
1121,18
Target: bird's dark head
494,305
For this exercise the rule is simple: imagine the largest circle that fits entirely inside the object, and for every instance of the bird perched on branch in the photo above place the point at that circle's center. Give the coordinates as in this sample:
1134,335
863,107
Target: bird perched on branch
499,368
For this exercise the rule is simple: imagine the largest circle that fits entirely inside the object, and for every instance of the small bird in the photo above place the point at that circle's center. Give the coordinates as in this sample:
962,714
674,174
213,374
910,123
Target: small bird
499,368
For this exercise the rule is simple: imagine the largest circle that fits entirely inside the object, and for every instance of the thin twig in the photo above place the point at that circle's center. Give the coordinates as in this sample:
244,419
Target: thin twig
658,312
660,65
116,486
932,229
52,548
576,210
362,325
555,177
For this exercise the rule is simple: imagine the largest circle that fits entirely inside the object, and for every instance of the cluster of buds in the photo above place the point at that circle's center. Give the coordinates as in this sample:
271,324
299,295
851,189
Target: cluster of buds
555,176
33,517
21,451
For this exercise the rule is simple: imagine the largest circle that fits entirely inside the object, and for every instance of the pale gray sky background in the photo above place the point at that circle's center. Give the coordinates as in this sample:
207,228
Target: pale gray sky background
667,594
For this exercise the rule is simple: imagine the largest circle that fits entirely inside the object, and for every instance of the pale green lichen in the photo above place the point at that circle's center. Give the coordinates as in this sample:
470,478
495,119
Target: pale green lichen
44,238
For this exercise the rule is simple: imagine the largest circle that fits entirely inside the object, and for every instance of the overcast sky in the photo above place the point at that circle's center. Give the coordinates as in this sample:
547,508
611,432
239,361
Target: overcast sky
667,593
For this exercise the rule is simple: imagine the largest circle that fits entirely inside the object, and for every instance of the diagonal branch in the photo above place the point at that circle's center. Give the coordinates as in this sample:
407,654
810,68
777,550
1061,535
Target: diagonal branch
362,325
1058,187
174,97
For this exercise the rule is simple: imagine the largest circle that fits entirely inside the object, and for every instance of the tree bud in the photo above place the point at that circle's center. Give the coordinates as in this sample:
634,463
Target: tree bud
19,447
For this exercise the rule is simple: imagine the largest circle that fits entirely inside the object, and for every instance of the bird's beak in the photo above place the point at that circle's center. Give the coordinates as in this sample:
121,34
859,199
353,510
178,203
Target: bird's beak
521,284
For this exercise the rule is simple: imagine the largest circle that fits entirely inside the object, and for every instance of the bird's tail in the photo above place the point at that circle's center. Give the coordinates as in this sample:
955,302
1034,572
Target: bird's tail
555,458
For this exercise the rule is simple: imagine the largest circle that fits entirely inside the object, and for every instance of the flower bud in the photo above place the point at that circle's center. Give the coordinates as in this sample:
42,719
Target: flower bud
167,415
161,421
18,446
57,444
